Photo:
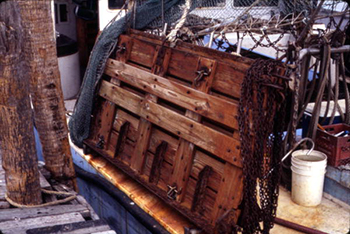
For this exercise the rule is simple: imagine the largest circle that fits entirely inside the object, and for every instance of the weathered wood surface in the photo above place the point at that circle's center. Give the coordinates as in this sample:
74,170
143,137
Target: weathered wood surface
91,226
20,220
213,141
166,102
20,226
209,106
185,151
182,109
26,213
17,142
186,97
46,92
169,218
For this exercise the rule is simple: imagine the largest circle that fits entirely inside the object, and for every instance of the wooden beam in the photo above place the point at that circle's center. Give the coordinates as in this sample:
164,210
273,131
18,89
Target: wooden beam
207,138
27,213
230,191
19,158
209,106
201,187
46,92
157,162
160,63
184,156
20,226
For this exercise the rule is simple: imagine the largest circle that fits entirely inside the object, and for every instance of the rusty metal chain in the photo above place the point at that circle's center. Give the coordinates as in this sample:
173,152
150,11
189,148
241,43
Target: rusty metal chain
229,48
261,124
270,43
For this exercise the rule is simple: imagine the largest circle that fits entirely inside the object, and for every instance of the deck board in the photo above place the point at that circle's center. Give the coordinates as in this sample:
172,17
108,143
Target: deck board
76,214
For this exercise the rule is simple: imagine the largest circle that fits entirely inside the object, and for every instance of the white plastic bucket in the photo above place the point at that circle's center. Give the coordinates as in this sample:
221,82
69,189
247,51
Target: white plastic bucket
308,173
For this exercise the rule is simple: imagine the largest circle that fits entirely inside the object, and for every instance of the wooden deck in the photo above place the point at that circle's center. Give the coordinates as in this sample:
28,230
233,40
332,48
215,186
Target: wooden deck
75,216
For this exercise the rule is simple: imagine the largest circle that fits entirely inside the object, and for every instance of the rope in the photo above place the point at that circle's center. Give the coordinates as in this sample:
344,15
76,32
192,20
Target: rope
172,35
67,199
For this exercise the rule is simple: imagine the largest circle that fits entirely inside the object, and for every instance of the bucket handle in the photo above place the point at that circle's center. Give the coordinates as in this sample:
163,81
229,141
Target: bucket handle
291,151
297,144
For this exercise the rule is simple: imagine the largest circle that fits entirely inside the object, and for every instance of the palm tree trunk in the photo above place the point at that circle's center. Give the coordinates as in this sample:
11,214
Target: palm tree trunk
47,96
17,143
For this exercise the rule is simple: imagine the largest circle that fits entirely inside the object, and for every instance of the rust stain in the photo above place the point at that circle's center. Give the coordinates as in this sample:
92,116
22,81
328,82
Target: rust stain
171,220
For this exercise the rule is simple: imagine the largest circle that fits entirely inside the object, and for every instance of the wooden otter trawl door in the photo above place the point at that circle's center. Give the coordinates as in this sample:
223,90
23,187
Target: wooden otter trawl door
167,116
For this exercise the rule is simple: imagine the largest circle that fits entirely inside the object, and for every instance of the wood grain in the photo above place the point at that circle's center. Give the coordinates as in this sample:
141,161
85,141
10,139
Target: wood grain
19,158
215,142
46,92
212,107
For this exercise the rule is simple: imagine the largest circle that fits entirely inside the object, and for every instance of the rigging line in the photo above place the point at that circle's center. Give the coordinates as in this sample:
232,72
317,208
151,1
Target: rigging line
234,22
163,18
172,35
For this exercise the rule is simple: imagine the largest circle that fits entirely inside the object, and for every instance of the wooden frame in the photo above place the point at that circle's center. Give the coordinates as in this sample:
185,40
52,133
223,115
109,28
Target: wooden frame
168,117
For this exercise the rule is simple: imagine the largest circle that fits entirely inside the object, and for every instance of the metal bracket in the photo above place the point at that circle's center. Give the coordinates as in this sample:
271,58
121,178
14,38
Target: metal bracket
201,74
101,142
121,49
172,192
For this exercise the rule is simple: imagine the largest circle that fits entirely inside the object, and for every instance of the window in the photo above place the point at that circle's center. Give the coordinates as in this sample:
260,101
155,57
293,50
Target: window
61,13
115,4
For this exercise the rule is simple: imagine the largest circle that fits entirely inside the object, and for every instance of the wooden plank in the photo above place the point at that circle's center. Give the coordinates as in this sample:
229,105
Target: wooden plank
228,80
160,63
185,153
212,107
157,162
164,171
107,117
4,205
20,226
183,65
215,142
92,213
124,48
231,68
164,214
43,182
157,137
128,149
208,202
234,60
90,226
201,187
142,53
200,161
121,118
161,60
2,193
121,97
26,213
140,151
103,118
230,191
122,137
